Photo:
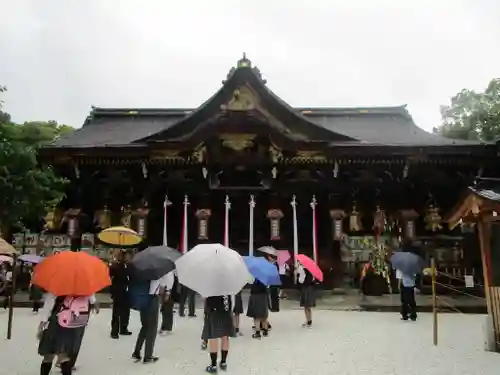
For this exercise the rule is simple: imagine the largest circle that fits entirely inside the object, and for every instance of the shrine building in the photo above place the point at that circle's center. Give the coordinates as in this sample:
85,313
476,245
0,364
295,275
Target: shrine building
350,177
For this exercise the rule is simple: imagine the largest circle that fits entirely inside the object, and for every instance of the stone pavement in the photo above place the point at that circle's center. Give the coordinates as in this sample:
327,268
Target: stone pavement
348,300
346,343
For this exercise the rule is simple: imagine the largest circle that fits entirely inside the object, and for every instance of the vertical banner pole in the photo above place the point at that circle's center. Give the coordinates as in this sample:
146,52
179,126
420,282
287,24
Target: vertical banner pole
434,303
227,204
184,246
166,203
314,229
251,229
295,236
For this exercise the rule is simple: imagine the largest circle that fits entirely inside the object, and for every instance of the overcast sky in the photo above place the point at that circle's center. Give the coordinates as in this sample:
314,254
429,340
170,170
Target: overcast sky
59,57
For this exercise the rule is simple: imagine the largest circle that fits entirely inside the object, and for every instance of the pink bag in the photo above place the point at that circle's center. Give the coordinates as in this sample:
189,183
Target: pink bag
74,312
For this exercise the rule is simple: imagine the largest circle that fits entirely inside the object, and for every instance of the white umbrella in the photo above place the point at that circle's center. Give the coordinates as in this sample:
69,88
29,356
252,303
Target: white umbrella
212,270
268,250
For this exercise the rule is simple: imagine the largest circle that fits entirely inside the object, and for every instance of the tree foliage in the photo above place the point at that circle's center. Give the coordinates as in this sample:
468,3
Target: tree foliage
473,115
26,187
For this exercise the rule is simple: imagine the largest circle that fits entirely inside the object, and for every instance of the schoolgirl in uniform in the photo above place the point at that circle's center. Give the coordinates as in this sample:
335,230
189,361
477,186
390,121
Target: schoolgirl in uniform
56,340
308,295
258,308
218,325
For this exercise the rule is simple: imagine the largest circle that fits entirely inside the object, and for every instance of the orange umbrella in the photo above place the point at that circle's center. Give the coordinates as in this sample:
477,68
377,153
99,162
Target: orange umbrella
71,273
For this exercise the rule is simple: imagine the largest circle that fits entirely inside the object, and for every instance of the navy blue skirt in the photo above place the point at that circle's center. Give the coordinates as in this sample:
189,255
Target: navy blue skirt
217,324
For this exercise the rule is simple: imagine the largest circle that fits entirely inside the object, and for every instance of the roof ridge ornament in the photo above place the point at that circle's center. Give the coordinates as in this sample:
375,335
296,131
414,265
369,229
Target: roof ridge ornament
242,63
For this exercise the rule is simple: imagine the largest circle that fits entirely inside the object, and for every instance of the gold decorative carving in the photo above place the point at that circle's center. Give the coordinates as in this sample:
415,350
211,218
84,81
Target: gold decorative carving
237,142
126,216
166,155
103,218
275,154
199,154
308,156
53,218
243,99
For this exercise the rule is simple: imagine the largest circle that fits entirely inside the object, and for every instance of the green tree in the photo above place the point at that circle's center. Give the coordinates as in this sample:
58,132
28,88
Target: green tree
26,187
473,115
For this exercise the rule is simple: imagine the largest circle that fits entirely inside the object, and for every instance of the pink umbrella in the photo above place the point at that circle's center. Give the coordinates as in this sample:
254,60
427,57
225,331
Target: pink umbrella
283,257
311,266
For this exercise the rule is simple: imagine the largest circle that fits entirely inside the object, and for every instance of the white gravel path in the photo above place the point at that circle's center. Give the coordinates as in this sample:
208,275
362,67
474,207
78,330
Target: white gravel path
344,343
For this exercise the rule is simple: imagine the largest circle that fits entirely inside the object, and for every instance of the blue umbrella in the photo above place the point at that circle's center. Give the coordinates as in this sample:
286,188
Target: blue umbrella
408,263
262,270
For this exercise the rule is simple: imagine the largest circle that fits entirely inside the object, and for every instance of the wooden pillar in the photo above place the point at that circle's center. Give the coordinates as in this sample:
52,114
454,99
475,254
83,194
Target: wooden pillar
491,292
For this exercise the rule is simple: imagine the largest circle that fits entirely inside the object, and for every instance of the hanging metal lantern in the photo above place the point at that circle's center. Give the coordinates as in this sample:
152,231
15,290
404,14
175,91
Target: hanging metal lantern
71,217
355,220
337,221
408,218
274,216
203,215
142,219
433,219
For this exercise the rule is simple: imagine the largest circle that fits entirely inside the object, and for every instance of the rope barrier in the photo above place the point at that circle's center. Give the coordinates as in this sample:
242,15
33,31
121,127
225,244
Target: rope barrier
459,291
449,305
456,278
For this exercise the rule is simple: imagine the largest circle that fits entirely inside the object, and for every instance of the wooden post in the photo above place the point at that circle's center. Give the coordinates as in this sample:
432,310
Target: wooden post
434,303
11,297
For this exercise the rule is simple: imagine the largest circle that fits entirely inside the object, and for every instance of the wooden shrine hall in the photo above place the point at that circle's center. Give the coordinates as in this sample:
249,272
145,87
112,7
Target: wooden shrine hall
248,169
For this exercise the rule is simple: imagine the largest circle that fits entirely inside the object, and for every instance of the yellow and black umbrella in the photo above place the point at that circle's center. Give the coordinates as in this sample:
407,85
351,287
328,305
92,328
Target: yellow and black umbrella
120,236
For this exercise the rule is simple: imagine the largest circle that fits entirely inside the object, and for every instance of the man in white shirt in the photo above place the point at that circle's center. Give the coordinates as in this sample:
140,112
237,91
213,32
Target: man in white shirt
149,322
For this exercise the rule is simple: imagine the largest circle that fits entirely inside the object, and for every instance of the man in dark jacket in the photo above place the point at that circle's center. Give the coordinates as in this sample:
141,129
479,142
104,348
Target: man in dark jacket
119,274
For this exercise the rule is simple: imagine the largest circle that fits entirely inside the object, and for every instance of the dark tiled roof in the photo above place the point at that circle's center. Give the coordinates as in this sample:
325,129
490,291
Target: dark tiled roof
370,125
119,127
487,189
386,125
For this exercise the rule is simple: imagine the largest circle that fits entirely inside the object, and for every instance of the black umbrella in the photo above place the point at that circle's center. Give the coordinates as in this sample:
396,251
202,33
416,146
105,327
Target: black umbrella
154,262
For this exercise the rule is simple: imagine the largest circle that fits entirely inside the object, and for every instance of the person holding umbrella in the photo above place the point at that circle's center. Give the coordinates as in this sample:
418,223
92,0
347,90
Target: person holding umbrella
218,325
150,279
120,313
308,273
409,264
265,274
68,304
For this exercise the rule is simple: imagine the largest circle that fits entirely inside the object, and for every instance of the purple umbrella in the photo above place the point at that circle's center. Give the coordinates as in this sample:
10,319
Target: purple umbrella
31,258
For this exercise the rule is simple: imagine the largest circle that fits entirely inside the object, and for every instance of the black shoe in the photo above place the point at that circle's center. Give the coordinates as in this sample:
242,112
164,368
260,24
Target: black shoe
192,316
404,318
211,369
136,357
223,366
413,318
265,332
125,333
256,335
114,336
151,360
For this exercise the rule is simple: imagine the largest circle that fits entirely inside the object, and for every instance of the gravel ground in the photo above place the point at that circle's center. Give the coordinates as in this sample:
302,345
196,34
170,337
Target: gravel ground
346,343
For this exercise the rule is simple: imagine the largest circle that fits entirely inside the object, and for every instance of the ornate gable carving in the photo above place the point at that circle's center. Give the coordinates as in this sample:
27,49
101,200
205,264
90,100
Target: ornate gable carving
243,99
